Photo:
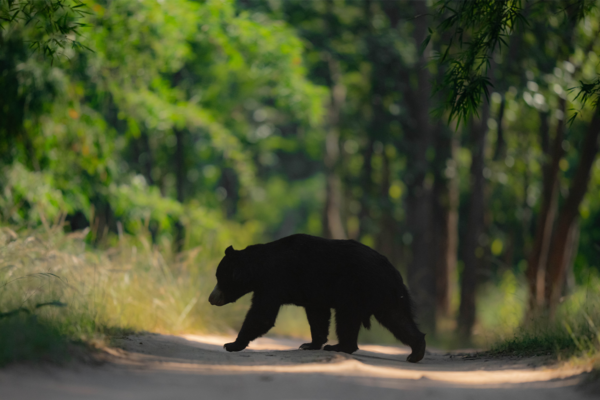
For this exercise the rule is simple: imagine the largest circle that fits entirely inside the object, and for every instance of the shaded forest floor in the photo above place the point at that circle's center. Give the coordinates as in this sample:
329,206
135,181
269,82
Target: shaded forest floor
152,366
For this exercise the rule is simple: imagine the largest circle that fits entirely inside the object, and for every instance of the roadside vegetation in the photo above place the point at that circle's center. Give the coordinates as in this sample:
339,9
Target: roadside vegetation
56,290
138,140
572,334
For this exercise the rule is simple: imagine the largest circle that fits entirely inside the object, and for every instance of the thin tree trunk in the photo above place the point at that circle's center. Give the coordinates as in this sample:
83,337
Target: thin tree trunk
147,161
367,188
333,225
536,268
230,183
453,205
180,186
421,268
500,152
103,221
474,251
441,218
180,170
555,282
573,245
369,200
30,150
559,249
445,219
385,242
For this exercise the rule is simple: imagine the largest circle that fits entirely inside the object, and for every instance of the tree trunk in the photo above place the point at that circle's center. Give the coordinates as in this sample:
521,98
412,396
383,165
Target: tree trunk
333,226
147,161
367,189
376,130
180,186
421,268
473,248
500,152
103,220
536,268
29,148
573,245
562,240
385,240
445,202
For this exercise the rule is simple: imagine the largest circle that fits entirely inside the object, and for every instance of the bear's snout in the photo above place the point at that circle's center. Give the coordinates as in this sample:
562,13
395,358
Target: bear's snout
216,298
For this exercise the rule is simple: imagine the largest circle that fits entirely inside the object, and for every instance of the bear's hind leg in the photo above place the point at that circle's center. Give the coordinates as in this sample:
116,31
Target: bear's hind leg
347,326
404,329
318,319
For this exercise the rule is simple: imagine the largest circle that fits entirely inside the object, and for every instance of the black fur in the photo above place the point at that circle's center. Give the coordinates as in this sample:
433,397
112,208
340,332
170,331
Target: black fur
319,274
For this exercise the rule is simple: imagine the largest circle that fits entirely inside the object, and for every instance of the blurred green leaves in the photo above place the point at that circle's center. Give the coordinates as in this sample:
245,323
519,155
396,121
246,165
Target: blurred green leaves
99,128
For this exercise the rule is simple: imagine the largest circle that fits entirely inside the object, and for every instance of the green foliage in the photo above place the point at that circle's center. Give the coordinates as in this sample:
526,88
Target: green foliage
53,23
588,91
481,27
30,195
478,31
226,82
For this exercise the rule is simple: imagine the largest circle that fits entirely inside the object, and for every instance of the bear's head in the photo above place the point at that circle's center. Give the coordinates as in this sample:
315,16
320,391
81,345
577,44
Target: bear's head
232,279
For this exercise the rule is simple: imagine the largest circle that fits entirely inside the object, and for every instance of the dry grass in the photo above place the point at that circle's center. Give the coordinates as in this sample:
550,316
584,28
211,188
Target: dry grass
95,293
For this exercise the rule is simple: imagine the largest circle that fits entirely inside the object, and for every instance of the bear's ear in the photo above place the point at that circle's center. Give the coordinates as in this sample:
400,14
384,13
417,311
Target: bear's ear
229,251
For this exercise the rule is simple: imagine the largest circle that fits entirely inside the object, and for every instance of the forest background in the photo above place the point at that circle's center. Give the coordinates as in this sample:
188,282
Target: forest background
139,139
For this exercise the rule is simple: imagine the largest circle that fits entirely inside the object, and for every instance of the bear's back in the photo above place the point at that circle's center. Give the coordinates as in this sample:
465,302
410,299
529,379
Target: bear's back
344,270
319,255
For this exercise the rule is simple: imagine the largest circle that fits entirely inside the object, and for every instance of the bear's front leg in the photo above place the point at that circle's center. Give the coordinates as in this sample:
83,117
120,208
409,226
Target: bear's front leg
318,319
260,318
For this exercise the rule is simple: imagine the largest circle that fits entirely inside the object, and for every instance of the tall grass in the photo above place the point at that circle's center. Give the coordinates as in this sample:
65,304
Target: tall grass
574,331
93,292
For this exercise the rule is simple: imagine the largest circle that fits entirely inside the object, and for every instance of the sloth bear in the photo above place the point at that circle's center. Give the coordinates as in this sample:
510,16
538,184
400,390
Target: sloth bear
317,274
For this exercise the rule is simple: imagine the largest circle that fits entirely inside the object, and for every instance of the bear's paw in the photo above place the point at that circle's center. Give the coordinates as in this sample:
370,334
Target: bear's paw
340,348
311,346
235,346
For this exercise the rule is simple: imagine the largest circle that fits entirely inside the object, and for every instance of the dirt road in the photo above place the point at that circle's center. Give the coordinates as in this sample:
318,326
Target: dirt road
196,367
